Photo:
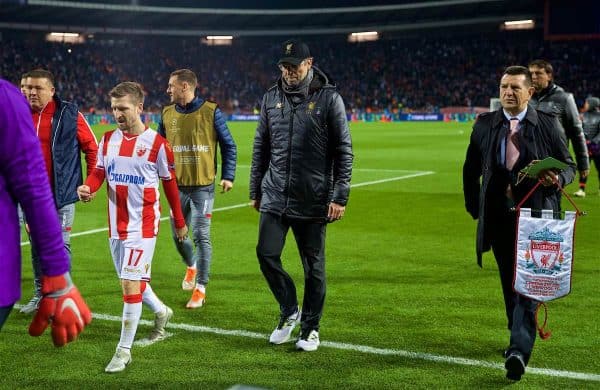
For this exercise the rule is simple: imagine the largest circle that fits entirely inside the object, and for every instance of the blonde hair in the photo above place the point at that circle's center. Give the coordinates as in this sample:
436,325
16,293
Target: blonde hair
130,88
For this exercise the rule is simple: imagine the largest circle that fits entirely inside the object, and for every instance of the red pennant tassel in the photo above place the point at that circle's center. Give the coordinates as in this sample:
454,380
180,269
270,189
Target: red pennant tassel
544,334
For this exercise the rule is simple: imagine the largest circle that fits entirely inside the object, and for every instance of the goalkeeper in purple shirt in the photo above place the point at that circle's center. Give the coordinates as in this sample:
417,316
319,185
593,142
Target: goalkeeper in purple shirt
23,180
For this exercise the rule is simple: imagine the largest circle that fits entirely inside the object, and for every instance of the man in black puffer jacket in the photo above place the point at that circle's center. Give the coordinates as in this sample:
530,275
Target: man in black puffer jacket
552,99
300,179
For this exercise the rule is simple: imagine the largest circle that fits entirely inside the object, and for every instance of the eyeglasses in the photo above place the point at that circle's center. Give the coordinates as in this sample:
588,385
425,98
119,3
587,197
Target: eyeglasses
290,67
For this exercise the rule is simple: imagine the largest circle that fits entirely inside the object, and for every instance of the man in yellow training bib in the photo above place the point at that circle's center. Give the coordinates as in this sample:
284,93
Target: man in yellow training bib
194,127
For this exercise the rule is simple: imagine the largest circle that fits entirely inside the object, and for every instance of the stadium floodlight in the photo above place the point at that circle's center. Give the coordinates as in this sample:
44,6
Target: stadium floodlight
64,34
526,24
218,40
363,36
65,37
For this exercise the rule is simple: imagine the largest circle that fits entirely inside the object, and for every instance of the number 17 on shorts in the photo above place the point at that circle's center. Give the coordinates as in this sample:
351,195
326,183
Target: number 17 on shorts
133,258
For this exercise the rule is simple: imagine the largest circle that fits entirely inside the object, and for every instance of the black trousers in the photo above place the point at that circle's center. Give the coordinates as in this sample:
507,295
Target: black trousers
520,311
4,312
310,239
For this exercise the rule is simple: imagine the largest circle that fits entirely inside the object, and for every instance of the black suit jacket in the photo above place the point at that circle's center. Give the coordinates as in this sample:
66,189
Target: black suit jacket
539,137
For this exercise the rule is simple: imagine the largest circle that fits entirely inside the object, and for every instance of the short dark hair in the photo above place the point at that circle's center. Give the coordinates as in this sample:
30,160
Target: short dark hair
542,64
41,74
516,70
24,75
186,75
130,88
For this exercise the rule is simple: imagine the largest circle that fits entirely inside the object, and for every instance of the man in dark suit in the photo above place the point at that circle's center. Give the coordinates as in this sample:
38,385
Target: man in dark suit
502,143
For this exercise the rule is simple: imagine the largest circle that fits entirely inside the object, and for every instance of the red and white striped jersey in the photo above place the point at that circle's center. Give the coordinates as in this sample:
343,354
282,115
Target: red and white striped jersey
133,167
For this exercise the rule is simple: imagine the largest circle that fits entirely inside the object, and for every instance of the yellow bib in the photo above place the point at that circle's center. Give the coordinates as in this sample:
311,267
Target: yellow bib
194,141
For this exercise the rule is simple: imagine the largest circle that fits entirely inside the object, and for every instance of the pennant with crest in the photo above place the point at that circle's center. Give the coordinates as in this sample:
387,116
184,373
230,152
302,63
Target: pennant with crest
544,255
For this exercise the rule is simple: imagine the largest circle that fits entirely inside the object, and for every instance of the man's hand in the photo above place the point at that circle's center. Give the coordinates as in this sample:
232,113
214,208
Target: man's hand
181,233
84,193
255,204
335,211
63,307
226,185
548,177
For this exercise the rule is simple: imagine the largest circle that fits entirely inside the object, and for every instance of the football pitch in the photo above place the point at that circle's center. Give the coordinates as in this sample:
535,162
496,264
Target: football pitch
406,306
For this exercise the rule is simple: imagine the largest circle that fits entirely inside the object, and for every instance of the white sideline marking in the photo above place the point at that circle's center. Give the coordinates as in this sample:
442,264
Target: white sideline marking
368,183
237,206
372,350
357,169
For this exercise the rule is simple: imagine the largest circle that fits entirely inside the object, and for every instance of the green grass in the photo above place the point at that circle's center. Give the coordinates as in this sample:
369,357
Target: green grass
402,276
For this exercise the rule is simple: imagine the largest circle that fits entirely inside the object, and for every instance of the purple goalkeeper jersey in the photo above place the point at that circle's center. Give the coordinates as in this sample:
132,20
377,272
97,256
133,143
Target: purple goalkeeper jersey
23,180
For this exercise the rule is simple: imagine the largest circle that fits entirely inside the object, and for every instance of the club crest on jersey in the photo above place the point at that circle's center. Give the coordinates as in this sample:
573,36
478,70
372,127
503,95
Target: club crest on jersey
544,253
141,150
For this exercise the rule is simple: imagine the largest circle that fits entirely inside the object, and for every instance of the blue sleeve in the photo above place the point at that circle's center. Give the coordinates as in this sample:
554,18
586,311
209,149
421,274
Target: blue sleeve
227,146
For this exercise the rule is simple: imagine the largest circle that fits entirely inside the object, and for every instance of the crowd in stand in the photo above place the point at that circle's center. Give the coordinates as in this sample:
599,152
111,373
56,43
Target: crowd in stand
419,74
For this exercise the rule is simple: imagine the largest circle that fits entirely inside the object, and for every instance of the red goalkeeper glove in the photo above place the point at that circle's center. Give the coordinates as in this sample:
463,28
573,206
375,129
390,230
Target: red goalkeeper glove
63,306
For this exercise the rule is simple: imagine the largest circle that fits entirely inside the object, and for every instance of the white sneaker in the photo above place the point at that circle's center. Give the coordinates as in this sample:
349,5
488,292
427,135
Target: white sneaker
283,332
579,193
309,341
119,361
160,321
189,280
32,305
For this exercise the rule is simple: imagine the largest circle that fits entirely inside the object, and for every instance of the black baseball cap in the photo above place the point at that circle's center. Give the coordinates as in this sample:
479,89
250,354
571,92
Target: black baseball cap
293,52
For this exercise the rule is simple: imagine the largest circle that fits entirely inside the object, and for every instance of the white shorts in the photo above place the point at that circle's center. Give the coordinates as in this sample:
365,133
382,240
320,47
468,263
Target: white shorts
133,258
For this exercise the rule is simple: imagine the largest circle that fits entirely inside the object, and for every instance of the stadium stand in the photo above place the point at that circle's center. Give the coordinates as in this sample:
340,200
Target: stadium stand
422,74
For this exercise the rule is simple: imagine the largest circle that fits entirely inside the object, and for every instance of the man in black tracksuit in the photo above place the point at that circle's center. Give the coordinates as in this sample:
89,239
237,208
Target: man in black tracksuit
552,99
591,129
300,179
491,188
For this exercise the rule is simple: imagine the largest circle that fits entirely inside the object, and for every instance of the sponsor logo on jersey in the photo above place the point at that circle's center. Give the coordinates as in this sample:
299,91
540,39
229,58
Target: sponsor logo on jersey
191,148
123,178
